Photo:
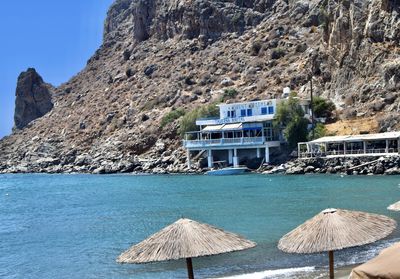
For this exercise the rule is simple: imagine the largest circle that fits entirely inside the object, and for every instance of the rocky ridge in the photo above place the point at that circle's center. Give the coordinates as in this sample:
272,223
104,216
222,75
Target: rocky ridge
162,55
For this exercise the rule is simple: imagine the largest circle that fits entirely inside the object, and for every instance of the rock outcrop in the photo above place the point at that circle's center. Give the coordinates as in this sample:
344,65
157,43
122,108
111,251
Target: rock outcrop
158,56
361,57
32,98
203,19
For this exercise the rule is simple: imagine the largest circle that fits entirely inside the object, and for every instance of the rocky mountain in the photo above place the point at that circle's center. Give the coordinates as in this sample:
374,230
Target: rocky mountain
158,56
32,98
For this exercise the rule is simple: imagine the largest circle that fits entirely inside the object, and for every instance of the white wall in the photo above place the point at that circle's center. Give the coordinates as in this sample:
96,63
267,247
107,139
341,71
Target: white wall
256,108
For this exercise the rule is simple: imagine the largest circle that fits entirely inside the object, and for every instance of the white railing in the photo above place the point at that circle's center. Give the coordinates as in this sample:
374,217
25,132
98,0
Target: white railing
224,141
348,152
382,150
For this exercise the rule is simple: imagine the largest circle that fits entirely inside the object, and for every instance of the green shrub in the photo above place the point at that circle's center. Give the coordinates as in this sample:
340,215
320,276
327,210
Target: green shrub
293,93
237,18
322,107
188,121
229,93
149,105
290,117
256,48
296,131
277,53
287,110
319,132
171,116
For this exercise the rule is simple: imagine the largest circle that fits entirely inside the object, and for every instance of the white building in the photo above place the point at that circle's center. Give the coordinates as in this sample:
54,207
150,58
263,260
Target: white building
243,130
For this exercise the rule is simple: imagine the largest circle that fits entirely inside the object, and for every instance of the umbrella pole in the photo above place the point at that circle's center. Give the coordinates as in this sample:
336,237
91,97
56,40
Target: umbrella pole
331,272
189,268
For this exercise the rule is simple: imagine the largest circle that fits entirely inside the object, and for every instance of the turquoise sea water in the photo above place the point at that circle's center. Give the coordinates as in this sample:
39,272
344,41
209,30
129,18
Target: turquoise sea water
74,226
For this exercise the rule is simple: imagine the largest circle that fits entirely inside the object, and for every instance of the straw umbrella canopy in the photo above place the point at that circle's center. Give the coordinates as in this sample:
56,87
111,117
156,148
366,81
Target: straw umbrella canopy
395,206
336,229
184,239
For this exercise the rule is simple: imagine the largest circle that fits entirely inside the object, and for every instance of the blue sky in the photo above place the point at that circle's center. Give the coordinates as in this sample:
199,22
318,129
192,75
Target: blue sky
56,37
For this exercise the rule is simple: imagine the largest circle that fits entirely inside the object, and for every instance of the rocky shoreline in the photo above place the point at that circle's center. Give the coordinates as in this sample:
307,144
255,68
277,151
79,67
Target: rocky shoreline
369,165
175,163
110,163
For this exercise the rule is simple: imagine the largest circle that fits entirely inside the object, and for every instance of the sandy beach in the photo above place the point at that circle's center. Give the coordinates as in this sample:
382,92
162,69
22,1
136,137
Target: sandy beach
344,272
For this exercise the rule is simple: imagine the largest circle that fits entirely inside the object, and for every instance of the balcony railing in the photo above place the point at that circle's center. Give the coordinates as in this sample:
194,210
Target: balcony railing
223,142
208,118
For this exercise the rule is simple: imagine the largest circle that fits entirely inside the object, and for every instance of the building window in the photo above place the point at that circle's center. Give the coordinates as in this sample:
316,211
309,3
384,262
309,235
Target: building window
243,112
249,112
264,111
231,114
271,110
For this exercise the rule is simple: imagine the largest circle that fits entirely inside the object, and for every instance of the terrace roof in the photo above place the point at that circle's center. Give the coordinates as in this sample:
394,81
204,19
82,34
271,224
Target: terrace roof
367,137
223,127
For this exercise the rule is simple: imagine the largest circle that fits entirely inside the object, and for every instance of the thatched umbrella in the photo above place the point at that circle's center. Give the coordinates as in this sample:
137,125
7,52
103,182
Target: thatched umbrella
336,229
395,206
184,239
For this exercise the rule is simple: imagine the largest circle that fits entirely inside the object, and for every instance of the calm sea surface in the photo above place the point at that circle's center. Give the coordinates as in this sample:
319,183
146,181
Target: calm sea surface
74,226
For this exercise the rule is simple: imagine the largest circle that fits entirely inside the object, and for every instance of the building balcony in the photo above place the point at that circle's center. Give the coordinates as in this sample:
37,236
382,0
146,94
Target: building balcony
229,142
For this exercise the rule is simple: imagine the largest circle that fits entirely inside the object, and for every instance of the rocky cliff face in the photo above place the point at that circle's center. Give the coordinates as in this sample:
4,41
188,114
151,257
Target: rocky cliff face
32,98
163,20
162,55
362,39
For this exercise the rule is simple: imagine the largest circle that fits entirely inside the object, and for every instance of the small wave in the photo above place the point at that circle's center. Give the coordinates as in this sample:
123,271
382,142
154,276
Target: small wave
360,255
269,273
365,255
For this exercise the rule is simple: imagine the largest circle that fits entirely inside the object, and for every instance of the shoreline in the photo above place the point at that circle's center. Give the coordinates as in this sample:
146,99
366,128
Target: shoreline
368,165
307,272
344,272
185,173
